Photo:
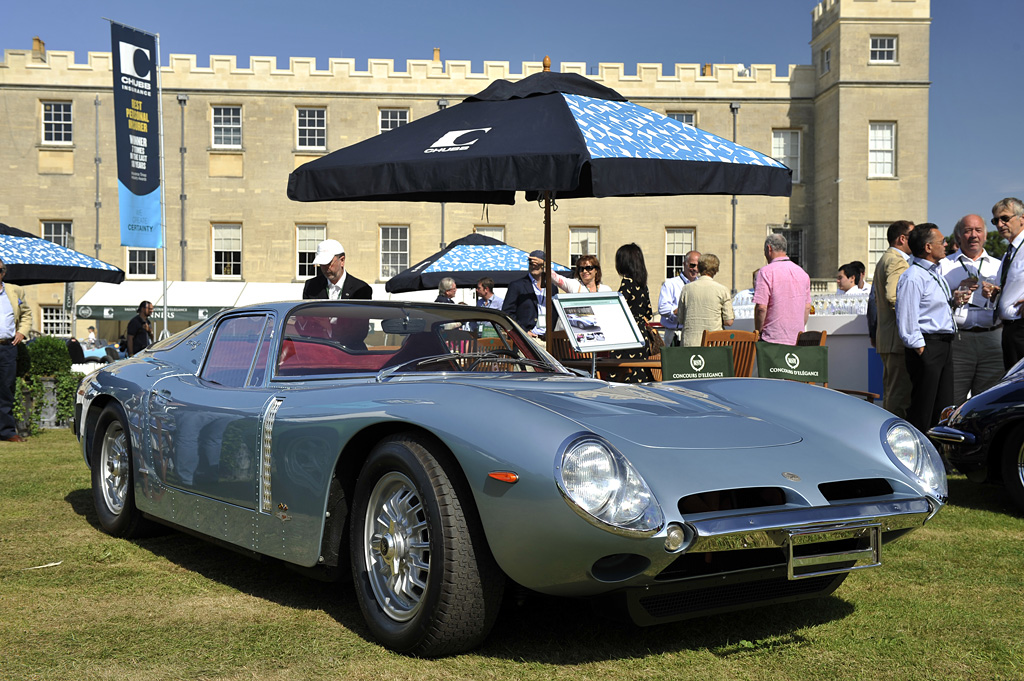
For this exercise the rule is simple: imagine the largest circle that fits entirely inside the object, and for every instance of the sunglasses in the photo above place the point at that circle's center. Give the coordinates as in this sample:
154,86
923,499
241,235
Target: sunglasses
587,268
1002,218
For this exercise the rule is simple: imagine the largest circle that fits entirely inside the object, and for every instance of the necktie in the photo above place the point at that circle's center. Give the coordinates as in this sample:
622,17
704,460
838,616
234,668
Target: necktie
1007,261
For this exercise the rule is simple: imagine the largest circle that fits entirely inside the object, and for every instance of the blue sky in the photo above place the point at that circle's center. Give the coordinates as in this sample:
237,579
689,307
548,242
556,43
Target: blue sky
975,99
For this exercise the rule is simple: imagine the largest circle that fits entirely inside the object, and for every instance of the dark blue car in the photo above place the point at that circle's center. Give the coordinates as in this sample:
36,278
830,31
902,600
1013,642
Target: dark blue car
984,437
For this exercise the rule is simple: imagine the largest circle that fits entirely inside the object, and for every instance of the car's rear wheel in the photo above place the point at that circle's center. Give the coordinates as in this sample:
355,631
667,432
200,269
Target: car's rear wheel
1013,467
424,576
113,490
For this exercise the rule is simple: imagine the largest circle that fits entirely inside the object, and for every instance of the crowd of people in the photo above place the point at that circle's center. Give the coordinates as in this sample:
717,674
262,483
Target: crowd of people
949,324
945,325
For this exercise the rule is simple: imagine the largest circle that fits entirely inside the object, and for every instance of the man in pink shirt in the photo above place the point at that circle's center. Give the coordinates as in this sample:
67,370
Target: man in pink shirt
782,295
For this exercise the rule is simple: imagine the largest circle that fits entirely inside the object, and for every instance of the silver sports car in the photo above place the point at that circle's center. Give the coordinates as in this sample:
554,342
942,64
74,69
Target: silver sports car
438,454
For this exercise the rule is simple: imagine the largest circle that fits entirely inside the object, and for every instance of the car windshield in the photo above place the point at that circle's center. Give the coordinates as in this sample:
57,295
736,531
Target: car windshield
342,338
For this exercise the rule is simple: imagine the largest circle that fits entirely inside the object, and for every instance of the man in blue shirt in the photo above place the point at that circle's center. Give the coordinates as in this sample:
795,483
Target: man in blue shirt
924,320
485,294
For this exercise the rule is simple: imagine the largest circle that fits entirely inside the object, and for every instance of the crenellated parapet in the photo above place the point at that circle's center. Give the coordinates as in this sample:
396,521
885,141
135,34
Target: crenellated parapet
421,76
827,11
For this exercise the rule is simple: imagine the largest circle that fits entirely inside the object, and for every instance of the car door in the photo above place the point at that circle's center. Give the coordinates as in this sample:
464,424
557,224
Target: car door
208,423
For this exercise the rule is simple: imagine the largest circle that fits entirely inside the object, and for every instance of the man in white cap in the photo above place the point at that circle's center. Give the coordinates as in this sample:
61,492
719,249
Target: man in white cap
334,282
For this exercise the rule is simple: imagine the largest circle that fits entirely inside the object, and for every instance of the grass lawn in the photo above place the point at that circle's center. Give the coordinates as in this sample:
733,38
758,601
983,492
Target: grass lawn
948,603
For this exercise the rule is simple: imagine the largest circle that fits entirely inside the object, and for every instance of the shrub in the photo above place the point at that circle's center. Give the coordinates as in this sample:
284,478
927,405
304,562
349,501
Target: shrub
49,356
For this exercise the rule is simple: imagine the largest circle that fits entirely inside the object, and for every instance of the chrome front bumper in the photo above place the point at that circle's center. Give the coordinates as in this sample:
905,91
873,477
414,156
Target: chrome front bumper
798,531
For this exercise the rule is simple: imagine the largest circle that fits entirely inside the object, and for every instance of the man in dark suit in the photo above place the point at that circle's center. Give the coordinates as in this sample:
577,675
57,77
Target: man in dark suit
334,282
524,299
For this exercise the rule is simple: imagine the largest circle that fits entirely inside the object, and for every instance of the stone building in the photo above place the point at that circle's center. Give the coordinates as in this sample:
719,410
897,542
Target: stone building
853,126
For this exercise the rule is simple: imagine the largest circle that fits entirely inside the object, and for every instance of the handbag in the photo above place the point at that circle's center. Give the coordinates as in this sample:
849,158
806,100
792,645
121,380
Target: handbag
654,339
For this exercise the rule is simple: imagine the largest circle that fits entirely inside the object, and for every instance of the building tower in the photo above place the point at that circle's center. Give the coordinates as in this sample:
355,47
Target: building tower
871,124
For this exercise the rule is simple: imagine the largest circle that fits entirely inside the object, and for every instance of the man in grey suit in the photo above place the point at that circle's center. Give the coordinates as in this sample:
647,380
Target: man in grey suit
895,379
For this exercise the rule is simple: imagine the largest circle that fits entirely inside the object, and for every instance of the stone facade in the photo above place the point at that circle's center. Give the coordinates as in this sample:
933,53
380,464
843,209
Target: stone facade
832,111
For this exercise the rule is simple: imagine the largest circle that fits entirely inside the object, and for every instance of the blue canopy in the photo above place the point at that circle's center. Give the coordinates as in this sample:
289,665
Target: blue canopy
32,260
466,260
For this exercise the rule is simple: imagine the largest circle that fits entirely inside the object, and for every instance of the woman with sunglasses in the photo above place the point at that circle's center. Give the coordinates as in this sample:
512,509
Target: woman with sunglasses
588,277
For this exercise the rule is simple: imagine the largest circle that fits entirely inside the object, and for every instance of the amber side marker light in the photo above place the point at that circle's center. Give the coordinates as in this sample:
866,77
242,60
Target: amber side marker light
504,476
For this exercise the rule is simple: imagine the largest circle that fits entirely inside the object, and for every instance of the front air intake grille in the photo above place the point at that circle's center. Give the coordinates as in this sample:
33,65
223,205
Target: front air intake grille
732,499
844,490
728,596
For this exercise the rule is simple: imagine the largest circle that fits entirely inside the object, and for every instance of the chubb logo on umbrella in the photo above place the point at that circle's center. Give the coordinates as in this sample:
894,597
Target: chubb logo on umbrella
450,141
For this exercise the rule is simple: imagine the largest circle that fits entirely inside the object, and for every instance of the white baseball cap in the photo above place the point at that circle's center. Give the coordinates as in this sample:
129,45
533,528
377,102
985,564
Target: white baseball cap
326,250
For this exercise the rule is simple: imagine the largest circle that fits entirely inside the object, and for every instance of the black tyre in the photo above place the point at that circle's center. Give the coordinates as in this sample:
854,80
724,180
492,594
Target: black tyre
1013,467
424,576
113,491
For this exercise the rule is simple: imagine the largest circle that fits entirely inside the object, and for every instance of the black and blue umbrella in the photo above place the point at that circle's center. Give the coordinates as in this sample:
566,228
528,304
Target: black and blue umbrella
551,135
32,260
550,132
466,260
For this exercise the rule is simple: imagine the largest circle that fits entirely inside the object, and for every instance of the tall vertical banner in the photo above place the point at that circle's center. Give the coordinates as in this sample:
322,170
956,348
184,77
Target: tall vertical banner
136,127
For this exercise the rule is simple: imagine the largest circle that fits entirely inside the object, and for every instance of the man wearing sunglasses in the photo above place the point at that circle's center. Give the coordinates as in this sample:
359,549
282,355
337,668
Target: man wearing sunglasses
15,323
1008,218
668,298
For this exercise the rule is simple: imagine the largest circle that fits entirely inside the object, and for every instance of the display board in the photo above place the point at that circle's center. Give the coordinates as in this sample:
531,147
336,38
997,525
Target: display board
595,322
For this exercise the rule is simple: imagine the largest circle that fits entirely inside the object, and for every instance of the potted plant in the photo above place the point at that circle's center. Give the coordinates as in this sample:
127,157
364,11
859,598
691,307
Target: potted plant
45,387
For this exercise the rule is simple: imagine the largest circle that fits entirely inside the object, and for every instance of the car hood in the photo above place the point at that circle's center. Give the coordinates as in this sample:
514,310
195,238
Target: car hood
662,418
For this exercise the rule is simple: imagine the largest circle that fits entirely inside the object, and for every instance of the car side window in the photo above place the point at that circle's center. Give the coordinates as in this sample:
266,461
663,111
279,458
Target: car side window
233,349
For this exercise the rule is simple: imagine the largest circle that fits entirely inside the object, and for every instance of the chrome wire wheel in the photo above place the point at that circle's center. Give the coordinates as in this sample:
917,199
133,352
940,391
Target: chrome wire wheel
397,546
114,462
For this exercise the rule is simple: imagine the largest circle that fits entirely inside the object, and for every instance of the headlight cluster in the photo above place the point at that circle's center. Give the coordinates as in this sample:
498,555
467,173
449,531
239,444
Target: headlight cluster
605,489
913,451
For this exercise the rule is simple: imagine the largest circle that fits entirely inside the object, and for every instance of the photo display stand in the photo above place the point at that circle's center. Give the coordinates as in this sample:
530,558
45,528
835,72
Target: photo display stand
595,322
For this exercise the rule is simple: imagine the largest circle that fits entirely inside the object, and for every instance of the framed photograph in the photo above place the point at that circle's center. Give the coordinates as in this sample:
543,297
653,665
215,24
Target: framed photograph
596,322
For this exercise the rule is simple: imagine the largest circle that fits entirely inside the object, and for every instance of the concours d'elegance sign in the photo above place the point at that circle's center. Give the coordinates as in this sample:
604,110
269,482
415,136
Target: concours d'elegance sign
796,363
136,129
678,363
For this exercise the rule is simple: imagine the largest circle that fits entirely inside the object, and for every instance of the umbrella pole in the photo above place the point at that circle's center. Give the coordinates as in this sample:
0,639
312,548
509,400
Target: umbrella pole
549,306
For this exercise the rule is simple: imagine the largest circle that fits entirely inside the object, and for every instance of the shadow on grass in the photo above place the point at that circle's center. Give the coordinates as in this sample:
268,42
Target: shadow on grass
563,631
980,496
531,627
264,578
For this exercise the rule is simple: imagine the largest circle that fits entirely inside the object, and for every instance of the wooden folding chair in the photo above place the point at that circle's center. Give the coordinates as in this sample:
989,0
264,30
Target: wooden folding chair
743,344
811,338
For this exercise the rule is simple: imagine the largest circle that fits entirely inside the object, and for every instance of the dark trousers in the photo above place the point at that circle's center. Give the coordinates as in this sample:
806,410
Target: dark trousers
8,370
931,380
1013,342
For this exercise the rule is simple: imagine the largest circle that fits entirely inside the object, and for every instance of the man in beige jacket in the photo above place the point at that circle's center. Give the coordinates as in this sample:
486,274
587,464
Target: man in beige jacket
15,323
895,379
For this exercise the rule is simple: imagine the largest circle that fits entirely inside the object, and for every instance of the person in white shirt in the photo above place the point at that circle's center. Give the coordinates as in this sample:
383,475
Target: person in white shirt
846,280
1008,218
588,277
977,345
668,298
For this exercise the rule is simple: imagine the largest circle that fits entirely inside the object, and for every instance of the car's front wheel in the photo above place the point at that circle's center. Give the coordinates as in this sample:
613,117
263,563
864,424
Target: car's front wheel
113,490
1013,467
424,576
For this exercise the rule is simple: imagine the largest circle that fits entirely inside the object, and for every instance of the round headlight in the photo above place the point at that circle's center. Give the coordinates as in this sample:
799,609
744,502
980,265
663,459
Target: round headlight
914,452
588,472
603,487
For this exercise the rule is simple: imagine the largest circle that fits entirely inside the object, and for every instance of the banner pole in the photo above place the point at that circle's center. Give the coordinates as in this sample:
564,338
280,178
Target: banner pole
163,204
